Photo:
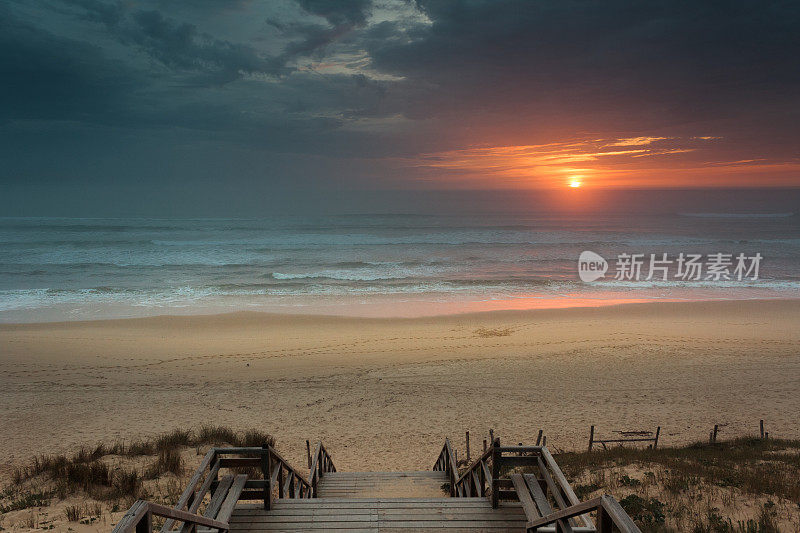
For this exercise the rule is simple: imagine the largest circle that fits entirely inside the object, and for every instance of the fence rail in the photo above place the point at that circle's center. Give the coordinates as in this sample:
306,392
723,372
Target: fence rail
603,442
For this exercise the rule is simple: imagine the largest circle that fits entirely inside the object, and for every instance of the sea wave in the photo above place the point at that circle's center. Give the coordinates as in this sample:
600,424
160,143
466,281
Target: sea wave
350,275
737,215
483,288
160,264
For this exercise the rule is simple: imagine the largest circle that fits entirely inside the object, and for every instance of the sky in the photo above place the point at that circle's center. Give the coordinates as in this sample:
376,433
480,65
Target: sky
237,107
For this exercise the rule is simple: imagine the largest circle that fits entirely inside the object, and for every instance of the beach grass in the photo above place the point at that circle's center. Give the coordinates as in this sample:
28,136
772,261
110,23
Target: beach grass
745,485
111,476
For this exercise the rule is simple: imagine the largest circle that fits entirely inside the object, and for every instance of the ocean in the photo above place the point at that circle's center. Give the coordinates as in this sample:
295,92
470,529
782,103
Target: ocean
381,265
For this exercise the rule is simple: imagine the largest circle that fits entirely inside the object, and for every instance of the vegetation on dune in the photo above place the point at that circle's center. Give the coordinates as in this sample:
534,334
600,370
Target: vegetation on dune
746,485
117,473
702,488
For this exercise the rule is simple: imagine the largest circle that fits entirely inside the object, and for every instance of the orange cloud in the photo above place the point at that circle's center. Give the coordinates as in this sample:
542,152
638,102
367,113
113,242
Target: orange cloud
625,162
638,141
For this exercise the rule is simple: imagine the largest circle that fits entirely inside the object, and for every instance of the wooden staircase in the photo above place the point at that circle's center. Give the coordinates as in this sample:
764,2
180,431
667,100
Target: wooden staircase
507,488
380,502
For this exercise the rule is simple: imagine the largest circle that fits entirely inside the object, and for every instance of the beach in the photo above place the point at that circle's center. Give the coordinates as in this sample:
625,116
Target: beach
383,393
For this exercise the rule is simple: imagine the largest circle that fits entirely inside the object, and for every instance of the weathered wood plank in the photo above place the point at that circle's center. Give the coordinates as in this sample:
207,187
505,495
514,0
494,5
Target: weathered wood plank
187,493
554,490
619,516
539,497
226,509
465,512
218,497
524,495
562,481
234,462
141,508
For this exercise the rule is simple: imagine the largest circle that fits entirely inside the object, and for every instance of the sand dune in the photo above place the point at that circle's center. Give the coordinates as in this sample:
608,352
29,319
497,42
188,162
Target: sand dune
383,393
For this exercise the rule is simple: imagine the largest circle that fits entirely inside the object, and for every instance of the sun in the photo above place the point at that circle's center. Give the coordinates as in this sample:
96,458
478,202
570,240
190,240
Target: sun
575,183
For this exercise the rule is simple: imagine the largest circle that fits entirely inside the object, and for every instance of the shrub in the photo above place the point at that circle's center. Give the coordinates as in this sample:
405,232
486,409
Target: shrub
74,512
628,481
582,491
169,460
645,513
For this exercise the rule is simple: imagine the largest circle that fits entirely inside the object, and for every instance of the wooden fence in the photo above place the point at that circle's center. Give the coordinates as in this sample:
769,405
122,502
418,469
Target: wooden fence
630,436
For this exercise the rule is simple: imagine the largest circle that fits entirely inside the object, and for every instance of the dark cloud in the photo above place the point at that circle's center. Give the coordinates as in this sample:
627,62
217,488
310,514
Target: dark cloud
669,60
179,45
48,77
337,12
363,82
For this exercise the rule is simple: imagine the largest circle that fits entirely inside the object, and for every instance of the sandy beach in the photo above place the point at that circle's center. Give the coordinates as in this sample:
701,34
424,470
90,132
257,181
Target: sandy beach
383,393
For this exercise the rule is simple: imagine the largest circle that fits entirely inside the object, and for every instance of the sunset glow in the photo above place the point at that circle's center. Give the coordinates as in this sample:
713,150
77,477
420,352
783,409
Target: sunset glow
649,162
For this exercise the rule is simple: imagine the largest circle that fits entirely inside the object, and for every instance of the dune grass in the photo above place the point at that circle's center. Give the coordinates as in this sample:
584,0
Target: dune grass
756,466
100,473
701,488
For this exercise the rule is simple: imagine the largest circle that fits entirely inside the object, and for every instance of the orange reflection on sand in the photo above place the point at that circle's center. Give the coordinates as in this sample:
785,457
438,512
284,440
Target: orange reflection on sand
423,306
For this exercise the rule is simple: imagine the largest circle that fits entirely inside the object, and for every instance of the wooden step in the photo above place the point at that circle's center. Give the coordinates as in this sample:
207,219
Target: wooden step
385,515
381,484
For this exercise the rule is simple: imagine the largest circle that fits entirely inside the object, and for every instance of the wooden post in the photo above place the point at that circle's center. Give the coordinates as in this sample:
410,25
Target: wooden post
467,447
604,522
266,469
491,435
591,437
544,440
495,473
211,464
145,524
453,475
308,453
766,435
655,441
539,437
281,479
484,445
761,424
710,437
716,428
482,478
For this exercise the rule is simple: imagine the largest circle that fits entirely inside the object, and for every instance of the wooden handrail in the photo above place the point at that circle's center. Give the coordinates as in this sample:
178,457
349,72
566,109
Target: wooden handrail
188,492
300,477
562,481
482,478
447,463
476,480
610,514
320,465
139,518
475,464
278,474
